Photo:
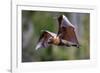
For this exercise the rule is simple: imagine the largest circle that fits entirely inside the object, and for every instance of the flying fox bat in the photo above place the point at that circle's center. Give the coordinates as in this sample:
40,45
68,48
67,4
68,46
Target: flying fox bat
66,35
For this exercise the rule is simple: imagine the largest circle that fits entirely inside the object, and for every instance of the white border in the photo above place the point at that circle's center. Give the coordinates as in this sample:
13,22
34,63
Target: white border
17,66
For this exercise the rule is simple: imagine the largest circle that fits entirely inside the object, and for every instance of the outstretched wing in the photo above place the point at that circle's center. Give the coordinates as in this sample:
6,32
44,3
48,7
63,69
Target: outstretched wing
66,30
44,38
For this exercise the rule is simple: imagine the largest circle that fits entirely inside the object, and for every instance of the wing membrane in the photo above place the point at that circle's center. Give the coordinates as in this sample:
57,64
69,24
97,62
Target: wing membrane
43,40
66,30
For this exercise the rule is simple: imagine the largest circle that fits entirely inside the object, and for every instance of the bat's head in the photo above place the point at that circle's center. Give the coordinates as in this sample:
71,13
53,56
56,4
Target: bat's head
54,40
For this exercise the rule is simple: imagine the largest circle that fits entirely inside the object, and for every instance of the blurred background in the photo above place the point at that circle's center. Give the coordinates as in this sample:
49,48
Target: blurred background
35,21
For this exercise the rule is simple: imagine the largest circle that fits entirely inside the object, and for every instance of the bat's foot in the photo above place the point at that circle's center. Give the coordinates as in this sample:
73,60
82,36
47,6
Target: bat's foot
76,45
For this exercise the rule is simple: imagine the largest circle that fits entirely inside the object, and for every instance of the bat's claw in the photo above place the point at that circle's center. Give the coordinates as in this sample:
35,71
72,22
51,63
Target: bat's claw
78,46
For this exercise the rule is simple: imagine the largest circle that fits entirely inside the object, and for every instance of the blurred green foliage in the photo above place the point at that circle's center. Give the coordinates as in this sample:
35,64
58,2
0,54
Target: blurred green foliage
42,20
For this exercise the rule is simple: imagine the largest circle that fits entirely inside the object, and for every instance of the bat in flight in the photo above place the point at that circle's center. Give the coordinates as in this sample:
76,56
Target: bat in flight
66,35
